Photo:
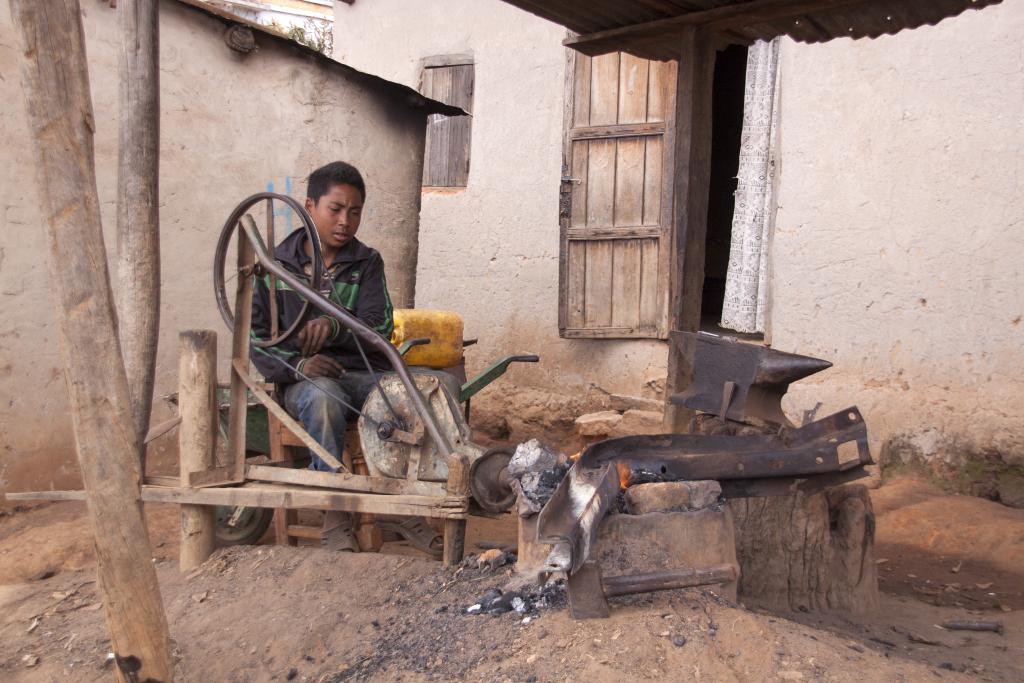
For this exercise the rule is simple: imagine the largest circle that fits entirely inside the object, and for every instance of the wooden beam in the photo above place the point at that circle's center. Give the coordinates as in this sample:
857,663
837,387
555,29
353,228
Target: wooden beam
239,405
138,215
723,18
241,370
197,403
55,84
695,77
284,496
344,481
455,528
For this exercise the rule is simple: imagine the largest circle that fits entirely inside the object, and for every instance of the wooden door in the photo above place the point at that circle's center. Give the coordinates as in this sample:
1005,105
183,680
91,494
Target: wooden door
616,201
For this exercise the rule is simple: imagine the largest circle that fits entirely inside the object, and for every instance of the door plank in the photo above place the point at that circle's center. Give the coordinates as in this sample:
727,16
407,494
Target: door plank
579,172
626,275
600,189
659,96
629,181
633,72
598,290
650,307
604,89
581,91
653,146
575,283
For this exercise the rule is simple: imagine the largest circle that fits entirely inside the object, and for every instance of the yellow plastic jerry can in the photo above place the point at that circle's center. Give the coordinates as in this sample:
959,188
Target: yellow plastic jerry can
443,328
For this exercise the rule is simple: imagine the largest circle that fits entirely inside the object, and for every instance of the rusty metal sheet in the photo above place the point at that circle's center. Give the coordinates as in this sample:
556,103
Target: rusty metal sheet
570,519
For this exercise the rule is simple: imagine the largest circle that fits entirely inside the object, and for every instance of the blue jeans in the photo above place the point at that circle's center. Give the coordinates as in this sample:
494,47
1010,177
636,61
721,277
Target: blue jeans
324,417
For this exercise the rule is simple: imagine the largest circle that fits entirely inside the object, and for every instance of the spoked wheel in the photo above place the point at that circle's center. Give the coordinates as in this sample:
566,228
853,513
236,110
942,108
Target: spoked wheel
232,228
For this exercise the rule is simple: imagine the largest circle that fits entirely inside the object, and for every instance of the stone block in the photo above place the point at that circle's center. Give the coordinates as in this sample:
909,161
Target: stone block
672,496
639,422
623,403
598,424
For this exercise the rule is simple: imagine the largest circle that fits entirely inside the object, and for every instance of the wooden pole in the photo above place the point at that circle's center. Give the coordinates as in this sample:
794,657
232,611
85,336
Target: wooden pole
138,216
55,82
695,77
197,438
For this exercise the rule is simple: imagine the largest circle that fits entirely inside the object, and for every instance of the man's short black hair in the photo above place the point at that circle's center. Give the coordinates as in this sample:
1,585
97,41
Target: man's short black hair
334,173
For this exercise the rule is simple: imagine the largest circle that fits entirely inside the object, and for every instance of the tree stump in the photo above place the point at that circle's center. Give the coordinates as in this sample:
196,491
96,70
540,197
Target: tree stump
808,553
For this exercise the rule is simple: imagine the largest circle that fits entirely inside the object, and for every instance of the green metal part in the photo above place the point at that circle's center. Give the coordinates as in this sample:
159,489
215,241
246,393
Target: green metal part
497,369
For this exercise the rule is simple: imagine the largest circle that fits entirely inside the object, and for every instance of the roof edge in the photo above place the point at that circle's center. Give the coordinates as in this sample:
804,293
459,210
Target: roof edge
406,94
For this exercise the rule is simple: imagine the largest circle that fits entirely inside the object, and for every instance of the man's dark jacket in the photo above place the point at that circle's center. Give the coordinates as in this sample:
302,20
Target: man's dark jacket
355,282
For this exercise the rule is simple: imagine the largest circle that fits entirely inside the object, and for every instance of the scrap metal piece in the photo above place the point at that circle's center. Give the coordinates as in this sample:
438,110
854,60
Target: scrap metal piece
742,382
569,521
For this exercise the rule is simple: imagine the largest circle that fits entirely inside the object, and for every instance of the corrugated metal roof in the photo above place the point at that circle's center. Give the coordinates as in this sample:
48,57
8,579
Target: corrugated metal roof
648,27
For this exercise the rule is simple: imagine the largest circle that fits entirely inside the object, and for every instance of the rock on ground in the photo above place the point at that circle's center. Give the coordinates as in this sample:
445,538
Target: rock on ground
597,424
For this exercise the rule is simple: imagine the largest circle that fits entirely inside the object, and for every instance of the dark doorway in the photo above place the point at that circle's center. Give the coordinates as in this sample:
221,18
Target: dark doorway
727,127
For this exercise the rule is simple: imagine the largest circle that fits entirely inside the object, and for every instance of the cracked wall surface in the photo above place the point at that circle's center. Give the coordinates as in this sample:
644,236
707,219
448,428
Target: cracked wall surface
229,126
900,229
490,251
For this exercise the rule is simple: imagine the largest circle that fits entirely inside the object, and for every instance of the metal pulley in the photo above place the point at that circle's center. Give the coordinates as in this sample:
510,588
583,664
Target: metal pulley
490,482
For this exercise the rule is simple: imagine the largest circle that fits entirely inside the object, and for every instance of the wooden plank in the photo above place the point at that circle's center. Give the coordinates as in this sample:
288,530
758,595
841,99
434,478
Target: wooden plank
61,125
598,288
633,76
575,284
197,403
604,90
659,84
240,355
617,130
579,172
651,309
613,232
461,127
439,129
281,495
601,183
629,181
652,180
455,529
242,372
344,481
692,181
626,283
581,90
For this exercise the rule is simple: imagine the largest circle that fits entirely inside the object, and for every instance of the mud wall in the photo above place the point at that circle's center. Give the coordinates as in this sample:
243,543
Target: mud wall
900,228
490,251
231,126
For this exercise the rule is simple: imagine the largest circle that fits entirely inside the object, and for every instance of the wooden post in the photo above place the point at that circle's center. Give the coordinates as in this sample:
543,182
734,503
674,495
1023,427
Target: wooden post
197,438
55,82
138,220
455,529
695,77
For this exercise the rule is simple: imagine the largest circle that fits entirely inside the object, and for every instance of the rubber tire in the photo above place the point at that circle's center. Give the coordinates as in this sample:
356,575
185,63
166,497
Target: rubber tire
253,532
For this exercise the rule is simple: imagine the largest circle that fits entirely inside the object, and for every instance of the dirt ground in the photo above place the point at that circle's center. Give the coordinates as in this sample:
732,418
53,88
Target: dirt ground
270,613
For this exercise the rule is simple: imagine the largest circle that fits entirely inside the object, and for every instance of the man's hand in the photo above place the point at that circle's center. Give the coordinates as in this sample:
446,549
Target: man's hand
322,366
314,335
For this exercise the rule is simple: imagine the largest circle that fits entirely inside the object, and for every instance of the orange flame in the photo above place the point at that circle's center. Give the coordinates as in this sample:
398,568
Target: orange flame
575,456
624,474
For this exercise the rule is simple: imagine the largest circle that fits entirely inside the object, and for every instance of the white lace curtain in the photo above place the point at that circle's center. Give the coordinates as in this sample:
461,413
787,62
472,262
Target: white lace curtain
746,282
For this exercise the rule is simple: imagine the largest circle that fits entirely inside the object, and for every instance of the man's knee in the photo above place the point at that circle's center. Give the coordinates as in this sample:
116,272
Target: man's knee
320,398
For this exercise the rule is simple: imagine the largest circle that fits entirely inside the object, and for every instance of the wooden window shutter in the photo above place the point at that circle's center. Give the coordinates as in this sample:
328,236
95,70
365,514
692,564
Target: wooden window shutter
446,157
616,199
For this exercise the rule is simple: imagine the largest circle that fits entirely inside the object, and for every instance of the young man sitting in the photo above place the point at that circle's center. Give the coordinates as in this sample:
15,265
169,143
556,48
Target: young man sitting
322,350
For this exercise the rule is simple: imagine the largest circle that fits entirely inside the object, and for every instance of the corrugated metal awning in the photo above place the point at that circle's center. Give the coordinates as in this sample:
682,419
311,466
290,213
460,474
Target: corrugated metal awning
649,28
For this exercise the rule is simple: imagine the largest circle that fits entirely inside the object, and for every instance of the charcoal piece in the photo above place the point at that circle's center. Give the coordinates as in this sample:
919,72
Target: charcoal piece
536,472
